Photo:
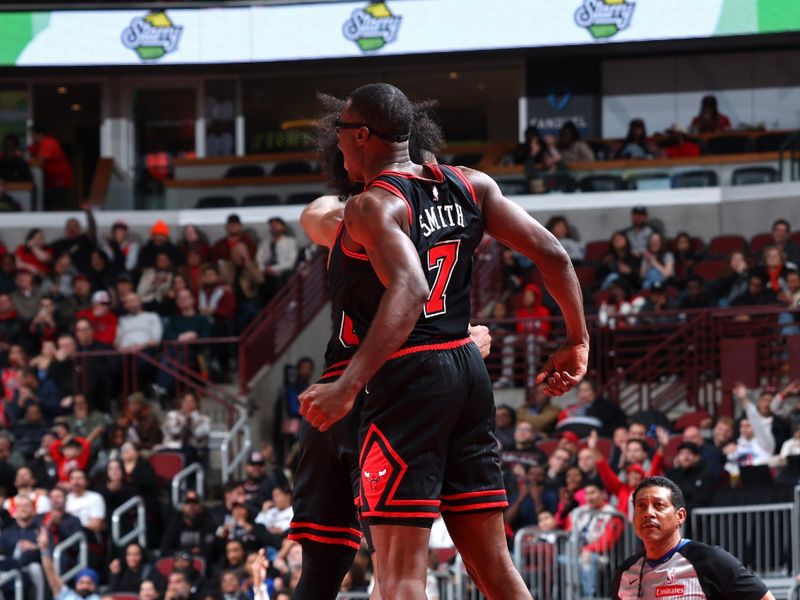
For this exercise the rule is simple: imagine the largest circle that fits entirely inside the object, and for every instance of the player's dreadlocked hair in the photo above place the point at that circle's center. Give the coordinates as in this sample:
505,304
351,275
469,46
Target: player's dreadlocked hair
425,143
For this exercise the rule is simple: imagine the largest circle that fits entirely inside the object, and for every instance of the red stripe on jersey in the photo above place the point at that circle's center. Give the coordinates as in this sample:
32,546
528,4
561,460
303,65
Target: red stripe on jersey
339,364
483,506
396,192
322,540
305,525
351,254
426,347
331,374
473,494
457,172
400,515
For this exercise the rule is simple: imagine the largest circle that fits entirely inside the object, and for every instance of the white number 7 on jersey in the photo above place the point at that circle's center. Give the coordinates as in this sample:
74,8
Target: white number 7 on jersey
442,257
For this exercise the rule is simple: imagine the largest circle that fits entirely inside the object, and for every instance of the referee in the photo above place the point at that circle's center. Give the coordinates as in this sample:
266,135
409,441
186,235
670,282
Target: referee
672,566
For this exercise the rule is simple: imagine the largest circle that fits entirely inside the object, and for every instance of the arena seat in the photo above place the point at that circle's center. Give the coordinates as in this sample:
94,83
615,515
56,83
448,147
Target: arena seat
292,167
547,446
690,179
723,245
124,596
166,465
602,183
754,175
262,200
596,250
690,419
709,270
559,182
216,202
649,181
729,144
760,241
237,171
770,142
165,565
587,276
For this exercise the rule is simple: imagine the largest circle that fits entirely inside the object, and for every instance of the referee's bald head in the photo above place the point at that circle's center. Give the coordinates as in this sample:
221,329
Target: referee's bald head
675,493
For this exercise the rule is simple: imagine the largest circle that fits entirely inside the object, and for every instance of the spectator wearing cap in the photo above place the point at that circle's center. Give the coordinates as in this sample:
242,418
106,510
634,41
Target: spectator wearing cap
639,231
159,242
277,256
234,235
691,475
81,299
155,284
101,319
190,531
77,243
27,295
120,248
258,485
34,255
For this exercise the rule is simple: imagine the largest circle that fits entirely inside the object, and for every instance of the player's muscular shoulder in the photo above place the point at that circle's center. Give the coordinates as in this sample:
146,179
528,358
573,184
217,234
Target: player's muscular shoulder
483,185
373,212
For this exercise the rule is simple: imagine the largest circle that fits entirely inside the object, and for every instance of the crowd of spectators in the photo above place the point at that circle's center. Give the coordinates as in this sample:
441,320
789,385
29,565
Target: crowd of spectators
642,276
72,449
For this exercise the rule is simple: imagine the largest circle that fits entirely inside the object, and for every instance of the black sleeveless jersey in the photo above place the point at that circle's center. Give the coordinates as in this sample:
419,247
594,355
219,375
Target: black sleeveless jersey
446,228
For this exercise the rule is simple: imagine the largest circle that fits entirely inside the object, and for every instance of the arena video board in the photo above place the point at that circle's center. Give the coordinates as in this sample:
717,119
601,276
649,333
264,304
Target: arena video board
352,29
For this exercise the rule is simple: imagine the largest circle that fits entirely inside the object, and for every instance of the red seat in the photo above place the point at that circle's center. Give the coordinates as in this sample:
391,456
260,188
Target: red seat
724,245
166,465
124,596
691,419
547,446
166,565
709,270
587,276
760,241
595,251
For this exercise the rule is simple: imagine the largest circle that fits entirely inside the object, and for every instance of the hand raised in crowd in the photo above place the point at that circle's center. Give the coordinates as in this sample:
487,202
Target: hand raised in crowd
43,539
258,570
793,387
662,436
740,392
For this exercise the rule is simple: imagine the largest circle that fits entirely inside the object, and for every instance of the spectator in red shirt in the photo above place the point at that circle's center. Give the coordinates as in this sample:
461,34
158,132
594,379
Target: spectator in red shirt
234,234
709,119
70,453
103,321
533,323
34,255
57,170
677,144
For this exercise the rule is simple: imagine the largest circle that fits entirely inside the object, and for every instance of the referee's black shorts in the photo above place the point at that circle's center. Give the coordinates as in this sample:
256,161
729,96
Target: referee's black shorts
427,437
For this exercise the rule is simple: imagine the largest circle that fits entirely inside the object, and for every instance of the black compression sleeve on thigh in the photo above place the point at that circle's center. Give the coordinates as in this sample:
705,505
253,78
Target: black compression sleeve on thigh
324,567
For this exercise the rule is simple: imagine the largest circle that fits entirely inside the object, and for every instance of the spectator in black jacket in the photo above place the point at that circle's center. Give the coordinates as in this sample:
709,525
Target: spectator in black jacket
711,456
60,524
127,574
692,476
76,243
757,294
192,530
158,243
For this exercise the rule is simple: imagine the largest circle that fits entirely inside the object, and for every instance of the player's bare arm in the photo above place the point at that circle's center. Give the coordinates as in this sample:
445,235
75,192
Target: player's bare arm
508,223
376,222
321,218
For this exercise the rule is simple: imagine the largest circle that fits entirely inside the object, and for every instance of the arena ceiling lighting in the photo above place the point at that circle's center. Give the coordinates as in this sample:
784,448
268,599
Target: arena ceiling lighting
264,33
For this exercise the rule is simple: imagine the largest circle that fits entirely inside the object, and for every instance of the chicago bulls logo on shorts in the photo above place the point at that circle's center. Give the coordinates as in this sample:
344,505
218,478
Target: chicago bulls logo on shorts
374,478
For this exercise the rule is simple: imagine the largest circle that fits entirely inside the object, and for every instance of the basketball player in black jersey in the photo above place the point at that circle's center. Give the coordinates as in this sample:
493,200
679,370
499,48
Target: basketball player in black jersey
325,519
427,411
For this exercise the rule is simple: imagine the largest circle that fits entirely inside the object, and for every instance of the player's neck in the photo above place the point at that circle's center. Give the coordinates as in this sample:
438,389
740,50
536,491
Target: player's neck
656,550
392,160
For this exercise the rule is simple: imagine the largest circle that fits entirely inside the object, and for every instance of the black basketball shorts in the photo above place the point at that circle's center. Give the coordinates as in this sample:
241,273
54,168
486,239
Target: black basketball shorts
427,439
327,481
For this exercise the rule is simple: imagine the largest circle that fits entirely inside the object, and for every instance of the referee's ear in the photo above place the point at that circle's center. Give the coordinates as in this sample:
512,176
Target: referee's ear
681,514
